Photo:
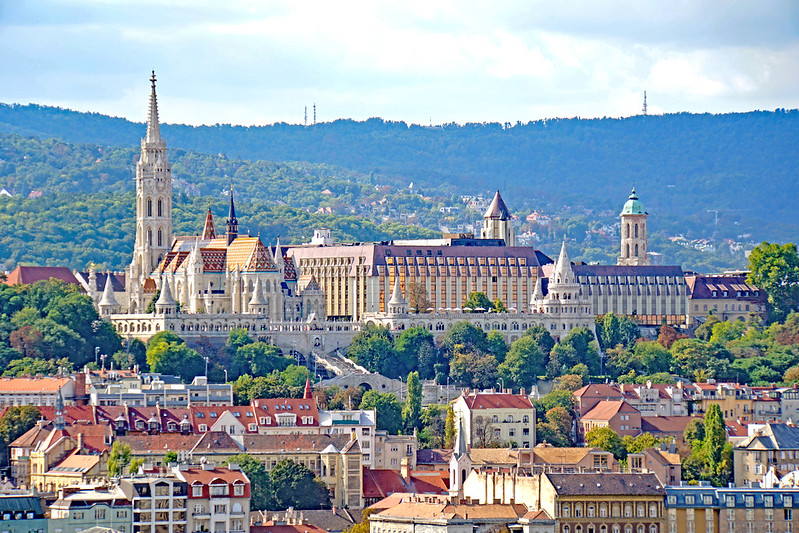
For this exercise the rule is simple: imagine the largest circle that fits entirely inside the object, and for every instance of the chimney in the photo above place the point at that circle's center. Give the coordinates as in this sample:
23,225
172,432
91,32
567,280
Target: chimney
80,395
80,442
405,469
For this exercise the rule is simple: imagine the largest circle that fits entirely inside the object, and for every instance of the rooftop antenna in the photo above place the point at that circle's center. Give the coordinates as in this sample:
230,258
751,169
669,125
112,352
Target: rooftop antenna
314,112
644,108
306,115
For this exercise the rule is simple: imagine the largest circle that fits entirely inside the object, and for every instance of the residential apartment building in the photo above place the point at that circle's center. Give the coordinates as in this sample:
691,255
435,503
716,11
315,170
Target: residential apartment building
618,415
160,390
22,514
79,508
604,503
768,446
727,296
649,399
218,498
705,509
36,391
159,503
496,417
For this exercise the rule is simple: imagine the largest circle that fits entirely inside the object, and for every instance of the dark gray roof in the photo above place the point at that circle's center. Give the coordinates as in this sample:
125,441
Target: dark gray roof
608,483
13,504
497,210
620,270
785,436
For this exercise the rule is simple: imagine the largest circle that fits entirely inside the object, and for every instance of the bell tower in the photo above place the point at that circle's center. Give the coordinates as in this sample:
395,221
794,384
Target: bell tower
153,206
633,233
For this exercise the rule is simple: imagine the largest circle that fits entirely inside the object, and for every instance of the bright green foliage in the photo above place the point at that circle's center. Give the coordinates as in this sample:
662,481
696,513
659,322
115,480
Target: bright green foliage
168,354
711,456
433,426
523,363
135,464
373,348
467,335
119,458
578,346
32,367
258,359
16,420
705,331
499,306
654,357
170,457
496,345
775,269
613,330
478,302
294,485
557,429
608,440
417,344
568,382
556,398
641,442
260,484
412,410
388,408
542,338
694,431
450,431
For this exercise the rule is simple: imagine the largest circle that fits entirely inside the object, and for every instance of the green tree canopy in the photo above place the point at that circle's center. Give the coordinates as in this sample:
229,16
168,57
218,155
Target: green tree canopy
261,493
775,269
388,410
294,485
523,363
608,440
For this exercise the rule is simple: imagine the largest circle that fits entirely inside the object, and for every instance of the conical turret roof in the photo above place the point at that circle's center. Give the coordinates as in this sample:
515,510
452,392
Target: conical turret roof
538,292
396,296
497,210
108,298
165,299
563,272
257,294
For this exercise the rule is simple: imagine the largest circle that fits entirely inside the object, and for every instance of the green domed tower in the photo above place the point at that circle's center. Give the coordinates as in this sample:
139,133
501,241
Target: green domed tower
633,233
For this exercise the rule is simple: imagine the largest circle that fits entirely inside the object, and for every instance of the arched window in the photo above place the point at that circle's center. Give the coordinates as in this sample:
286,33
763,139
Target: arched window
653,510
160,238
640,511
150,237
653,529
626,250
565,510
636,231
636,250
603,510
149,207
627,230
590,510
641,528
494,419
160,214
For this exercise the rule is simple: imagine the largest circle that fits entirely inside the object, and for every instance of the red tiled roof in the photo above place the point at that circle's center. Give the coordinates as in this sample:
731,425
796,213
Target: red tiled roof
31,274
666,424
482,400
606,409
33,385
205,477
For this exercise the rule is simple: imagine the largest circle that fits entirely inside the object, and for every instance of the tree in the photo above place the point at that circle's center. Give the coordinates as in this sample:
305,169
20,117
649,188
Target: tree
168,354
433,426
412,409
523,363
542,338
568,382
499,306
170,457
557,429
14,423
450,431
467,335
694,431
478,302
613,330
260,483
119,458
388,410
373,348
668,335
640,443
418,299
473,369
135,464
715,434
417,344
259,359
775,269
608,440
294,485
704,331
654,357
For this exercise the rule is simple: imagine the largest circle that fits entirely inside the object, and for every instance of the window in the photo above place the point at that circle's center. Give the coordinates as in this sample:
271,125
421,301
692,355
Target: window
198,509
220,509
99,514
219,490
238,489
197,490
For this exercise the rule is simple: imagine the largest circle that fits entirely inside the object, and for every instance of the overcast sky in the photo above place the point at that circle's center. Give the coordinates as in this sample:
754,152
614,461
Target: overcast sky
263,61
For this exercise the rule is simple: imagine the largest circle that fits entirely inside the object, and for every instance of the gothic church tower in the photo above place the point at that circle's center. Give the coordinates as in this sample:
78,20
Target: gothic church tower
633,233
497,223
153,207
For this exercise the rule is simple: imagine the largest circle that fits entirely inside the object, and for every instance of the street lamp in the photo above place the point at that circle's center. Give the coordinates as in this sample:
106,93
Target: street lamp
502,381
225,371
400,379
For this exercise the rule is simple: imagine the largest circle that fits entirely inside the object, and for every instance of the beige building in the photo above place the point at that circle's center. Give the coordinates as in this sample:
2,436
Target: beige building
491,417
727,296
768,446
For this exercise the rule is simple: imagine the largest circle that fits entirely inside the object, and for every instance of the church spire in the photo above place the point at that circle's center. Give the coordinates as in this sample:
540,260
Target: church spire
153,128
208,228
308,393
232,222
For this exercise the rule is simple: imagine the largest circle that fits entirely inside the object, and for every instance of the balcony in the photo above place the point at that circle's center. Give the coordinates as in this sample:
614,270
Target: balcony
204,515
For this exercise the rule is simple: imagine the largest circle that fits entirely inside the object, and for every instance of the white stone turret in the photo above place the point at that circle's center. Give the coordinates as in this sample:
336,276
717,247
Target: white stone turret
460,464
497,222
397,304
166,304
108,303
633,233
257,304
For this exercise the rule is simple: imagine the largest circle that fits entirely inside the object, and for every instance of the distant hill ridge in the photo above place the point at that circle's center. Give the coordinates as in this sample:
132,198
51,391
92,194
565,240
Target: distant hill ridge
742,164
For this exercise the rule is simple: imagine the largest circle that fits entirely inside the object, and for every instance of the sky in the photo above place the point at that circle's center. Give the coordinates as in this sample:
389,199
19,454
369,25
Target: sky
256,62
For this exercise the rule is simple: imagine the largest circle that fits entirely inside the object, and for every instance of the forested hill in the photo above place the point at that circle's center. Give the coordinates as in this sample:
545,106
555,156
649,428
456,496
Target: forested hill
744,165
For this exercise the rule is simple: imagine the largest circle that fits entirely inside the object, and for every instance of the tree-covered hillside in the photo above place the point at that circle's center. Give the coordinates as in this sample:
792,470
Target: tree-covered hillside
743,165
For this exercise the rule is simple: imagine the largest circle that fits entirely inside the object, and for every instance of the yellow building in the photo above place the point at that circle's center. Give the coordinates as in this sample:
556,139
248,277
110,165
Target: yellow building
728,296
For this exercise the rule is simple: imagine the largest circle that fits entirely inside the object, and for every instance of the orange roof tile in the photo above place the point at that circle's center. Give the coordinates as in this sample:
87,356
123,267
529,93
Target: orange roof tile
33,385
31,274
